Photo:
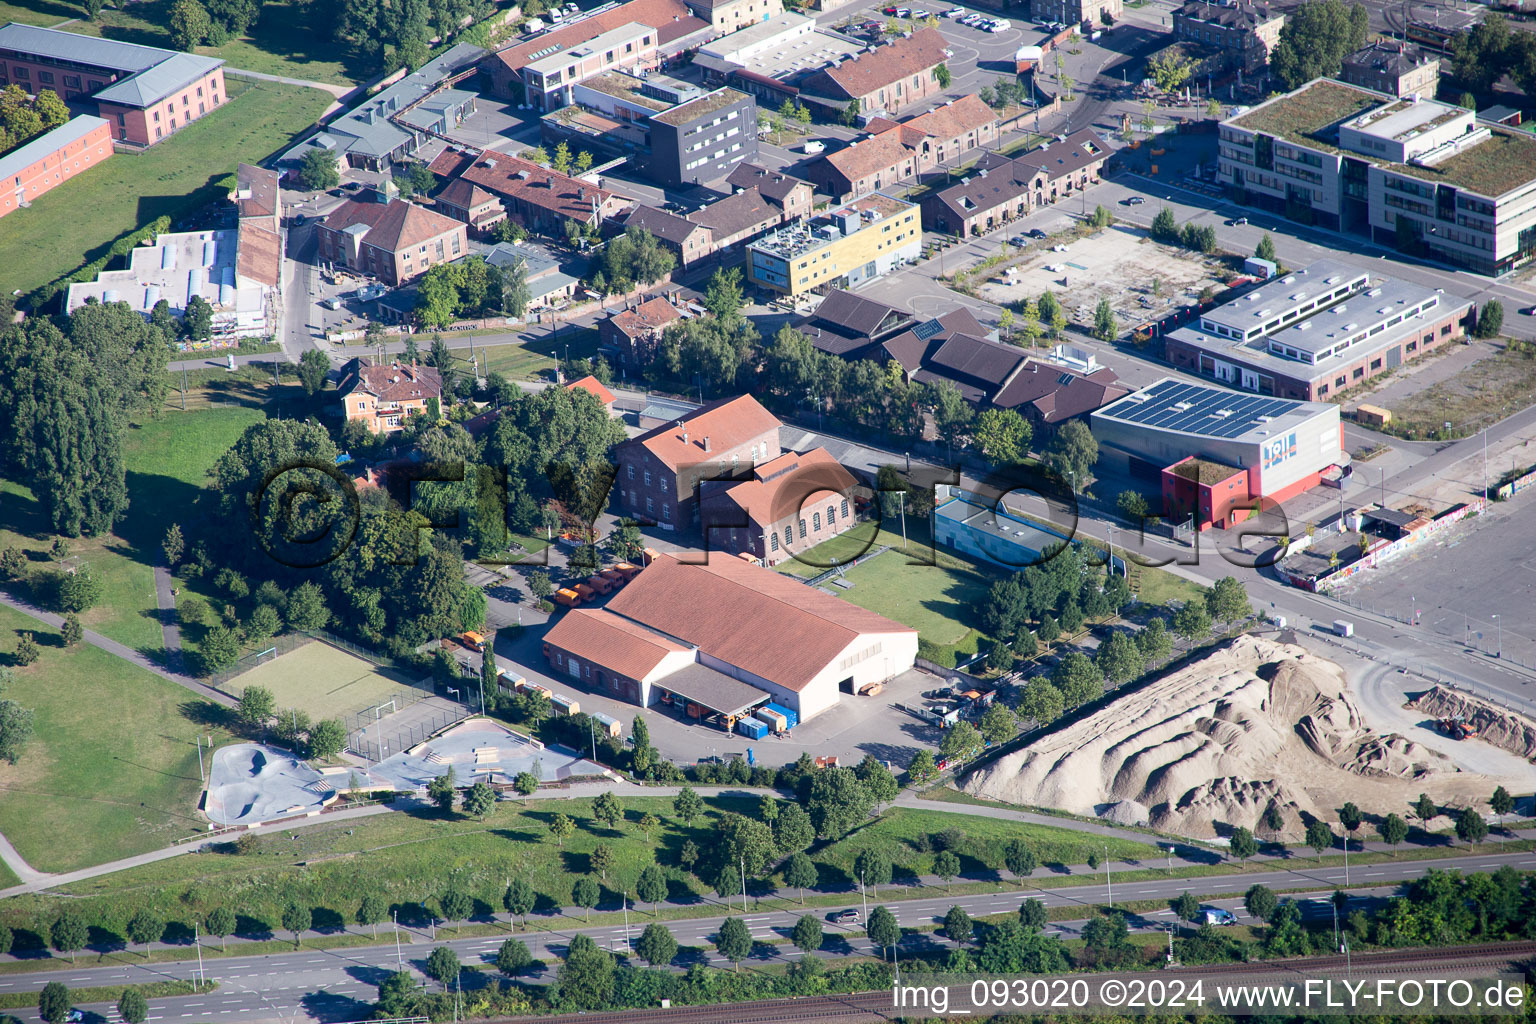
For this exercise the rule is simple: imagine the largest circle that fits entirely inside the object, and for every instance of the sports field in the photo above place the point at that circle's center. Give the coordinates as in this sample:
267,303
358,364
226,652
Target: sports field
323,680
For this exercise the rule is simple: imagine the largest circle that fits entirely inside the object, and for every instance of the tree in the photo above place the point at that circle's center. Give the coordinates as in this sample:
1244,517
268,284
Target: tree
318,170
1350,817
132,1006
1118,659
652,886
734,941
1424,809
836,802
1490,321
957,925
370,911
297,918
1105,325
443,789
1315,40
1078,679
54,1003
723,297
1052,314
1266,249
189,24
173,545
607,809
1041,701
1187,907
256,707
1165,227
1101,218
520,898
793,830
1243,845
586,894
1470,827
882,928
442,966
998,724
1133,506
479,799
807,934
872,869
1192,622
687,805
398,995
513,957
145,928
526,783
456,905
1003,436
688,856
1073,453
305,608
314,368
961,742
27,651
1170,69
1319,835
656,946
69,934
1501,803
1393,830
946,865
877,780
220,923
561,827
800,872
1019,858
1260,902
941,75
1227,601
327,737
586,978
922,768
601,859
1032,915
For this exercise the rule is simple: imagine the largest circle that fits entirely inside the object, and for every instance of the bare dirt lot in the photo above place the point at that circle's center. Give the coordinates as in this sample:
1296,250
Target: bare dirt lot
1143,280
1477,395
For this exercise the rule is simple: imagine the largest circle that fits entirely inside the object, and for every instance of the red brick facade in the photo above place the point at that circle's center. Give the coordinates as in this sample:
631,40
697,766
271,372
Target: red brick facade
59,155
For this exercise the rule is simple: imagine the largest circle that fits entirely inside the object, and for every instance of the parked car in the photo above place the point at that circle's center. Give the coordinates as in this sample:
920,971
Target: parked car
903,12
76,1015
943,693
918,12
1237,221
1020,240
956,12
889,10
847,917
1037,233
1136,200
1528,311
1217,916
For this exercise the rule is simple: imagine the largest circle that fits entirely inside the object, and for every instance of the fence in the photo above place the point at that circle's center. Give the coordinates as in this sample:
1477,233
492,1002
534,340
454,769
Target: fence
287,643
399,738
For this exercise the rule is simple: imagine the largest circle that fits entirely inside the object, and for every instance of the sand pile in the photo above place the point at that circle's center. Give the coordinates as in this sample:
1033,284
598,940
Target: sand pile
1507,730
1216,742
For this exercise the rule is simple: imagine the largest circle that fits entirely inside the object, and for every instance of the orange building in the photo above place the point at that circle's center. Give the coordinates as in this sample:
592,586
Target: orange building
381,396
51,159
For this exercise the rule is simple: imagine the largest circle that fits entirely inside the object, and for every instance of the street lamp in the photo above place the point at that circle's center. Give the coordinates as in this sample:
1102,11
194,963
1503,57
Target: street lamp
1108,885
1499,651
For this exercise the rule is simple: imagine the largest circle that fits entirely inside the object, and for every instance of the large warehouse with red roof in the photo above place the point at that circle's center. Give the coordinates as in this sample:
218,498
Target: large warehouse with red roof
727,636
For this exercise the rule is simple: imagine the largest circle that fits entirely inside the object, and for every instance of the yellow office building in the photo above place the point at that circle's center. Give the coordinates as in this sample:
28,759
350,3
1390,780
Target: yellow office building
853,243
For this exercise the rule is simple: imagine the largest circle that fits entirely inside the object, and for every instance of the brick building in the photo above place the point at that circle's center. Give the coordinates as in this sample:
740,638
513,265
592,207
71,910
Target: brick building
1395,68
144,93
1000,190
791,504
660,471
397,241
633,334
1075,12
1245,31
51,159
793,197
884,80
539,198
893,152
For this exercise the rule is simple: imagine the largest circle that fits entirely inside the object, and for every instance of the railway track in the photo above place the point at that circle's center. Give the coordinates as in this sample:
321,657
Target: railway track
876,1005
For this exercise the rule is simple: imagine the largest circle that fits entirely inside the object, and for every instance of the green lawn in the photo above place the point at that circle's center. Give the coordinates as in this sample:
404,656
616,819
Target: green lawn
282,43
111,770
73,225
898,835
537,355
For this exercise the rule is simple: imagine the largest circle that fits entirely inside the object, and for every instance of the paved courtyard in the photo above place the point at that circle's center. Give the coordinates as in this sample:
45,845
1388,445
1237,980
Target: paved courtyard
252,782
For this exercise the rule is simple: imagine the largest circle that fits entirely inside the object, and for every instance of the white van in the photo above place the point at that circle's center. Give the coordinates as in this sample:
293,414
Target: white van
813,146
1217,916
1000,25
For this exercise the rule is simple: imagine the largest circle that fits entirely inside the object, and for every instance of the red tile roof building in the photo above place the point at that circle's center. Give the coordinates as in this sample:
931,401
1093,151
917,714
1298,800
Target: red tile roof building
799,646
397,241
894,152
633,334
660,472
886,80
381,397
468,202
594,387
791,504
537,197
505,66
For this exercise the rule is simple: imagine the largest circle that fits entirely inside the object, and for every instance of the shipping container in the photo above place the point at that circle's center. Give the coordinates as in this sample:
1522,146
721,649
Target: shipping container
790,716
563,705
509,682
775,721
751,728
608,724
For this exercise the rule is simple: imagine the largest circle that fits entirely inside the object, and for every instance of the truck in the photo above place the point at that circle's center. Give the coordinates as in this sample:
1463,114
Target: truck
567,597
474,641
1343,628
1457,728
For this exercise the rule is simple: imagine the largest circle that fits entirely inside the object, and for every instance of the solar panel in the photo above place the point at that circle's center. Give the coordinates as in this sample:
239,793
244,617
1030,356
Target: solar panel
1198,409
926,330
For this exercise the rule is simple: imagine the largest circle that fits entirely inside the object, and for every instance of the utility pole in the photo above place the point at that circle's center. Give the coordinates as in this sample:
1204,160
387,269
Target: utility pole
626,921
1108,884
1346,854
901,496
743,883
399,960
200,774
197,940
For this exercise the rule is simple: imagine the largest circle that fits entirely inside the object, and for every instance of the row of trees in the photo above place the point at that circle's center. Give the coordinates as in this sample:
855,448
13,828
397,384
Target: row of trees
392,36
1490,51
471,288
1197,237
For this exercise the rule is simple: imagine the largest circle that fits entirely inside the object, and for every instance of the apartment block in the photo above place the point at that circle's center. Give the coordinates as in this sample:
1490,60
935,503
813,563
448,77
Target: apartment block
1394,68
1422,176
1075,12
52,159
1245,31
549,79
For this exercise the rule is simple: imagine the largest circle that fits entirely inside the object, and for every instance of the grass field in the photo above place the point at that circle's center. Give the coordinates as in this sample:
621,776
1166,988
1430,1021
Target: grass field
323,680
282,43
537,355
52,238
111,770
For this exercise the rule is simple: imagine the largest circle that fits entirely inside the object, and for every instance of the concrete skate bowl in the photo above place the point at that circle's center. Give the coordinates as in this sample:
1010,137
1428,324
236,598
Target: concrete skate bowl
250,783
481,749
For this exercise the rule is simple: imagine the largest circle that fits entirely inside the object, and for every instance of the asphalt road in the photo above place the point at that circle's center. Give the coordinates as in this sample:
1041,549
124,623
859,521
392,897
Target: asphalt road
336,984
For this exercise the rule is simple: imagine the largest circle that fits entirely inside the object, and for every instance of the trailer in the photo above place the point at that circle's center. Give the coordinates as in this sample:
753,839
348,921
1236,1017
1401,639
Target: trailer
774,720
626,569
608,724
1343,628
563,705
509,683
586,592
614,576
790,716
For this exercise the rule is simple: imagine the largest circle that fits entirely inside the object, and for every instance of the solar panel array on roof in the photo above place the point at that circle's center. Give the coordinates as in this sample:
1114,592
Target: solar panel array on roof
928,329
1196,409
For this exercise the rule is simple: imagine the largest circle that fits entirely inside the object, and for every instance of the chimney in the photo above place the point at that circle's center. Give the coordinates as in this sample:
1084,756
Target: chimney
685,435
706,442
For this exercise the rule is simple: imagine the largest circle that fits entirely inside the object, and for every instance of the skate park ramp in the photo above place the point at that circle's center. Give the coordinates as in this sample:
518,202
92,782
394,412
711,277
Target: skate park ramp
252,782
